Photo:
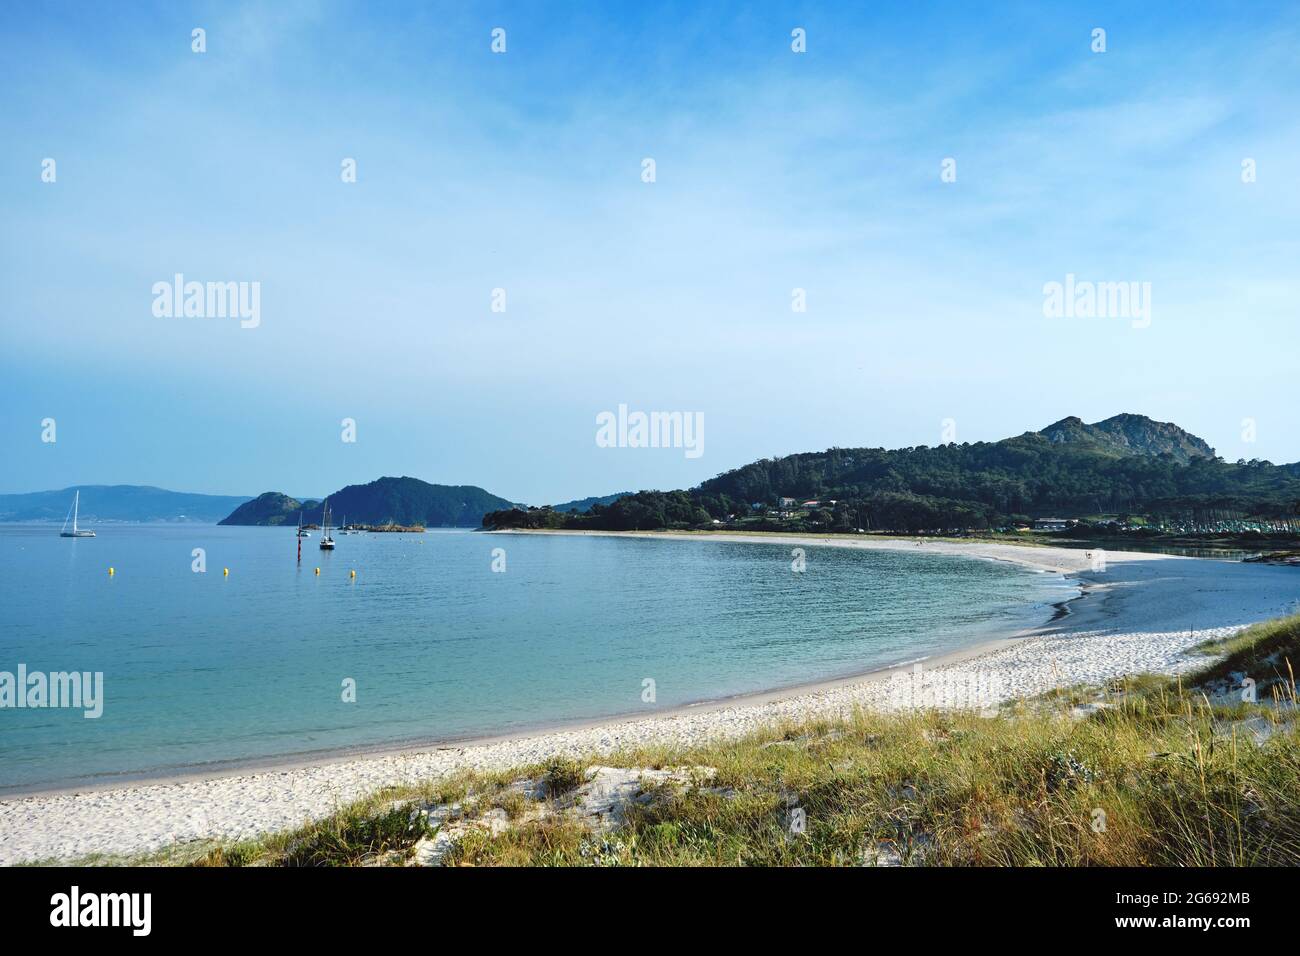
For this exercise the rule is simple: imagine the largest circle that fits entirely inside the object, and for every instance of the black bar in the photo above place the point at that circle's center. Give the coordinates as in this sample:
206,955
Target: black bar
332,906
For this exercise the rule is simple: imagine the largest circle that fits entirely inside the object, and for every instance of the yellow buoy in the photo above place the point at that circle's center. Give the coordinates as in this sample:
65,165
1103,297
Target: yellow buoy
354,574
225,572
111,571
318,570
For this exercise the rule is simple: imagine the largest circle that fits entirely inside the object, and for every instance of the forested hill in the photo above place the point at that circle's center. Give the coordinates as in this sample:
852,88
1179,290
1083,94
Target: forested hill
269,508
1126,465
586,504
403,501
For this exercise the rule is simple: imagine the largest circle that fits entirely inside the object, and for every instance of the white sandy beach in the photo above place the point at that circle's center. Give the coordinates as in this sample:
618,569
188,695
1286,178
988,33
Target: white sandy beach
1142,613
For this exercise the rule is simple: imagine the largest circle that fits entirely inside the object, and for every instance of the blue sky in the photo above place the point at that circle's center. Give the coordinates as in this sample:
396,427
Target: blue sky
522,171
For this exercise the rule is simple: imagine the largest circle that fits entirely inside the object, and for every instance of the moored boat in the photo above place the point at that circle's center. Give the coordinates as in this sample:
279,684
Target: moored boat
75,532
326,542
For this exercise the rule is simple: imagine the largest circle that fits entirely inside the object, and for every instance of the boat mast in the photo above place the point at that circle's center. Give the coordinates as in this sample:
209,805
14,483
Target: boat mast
76,502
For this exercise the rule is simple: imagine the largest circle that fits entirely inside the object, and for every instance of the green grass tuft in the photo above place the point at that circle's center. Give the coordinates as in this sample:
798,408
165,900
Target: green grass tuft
564,774
358,835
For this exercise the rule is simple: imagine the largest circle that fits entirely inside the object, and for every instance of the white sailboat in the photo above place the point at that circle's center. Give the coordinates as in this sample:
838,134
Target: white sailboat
326,542
75,532
301,533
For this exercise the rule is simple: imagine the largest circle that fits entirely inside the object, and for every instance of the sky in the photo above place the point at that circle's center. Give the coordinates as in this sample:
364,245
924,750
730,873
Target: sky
522,171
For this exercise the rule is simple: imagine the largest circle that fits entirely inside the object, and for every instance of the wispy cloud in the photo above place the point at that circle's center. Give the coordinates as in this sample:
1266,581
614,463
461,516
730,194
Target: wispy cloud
775,171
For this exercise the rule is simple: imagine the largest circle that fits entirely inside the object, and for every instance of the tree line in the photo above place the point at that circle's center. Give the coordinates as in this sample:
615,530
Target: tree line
954,486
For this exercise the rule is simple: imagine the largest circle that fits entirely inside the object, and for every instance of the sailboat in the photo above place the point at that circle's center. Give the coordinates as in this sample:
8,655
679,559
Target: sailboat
326,542
75,533
301,533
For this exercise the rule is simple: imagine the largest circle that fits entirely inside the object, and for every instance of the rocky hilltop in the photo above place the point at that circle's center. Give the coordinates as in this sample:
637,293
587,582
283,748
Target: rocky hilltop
1128,434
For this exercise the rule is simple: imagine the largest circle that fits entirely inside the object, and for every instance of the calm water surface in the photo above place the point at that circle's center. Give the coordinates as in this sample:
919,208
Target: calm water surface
200,668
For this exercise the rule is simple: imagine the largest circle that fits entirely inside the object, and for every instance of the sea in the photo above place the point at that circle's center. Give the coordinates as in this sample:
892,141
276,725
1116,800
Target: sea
219,646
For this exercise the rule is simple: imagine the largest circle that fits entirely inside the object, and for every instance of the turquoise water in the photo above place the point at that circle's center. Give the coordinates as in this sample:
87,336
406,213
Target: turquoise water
200,668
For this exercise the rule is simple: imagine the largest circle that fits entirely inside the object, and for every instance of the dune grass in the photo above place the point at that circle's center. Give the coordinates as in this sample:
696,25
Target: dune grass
1154,772
1267,652
363,833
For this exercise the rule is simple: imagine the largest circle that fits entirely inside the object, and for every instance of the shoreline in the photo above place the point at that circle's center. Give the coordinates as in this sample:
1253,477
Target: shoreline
1182,603
219,770
223,769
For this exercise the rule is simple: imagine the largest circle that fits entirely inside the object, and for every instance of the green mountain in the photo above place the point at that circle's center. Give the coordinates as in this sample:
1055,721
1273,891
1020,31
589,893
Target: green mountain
270,508
1128,464
118,503
405,501
583,505
1129,435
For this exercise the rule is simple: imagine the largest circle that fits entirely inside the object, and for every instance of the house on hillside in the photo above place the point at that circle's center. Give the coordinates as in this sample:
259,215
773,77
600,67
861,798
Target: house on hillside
1052,524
